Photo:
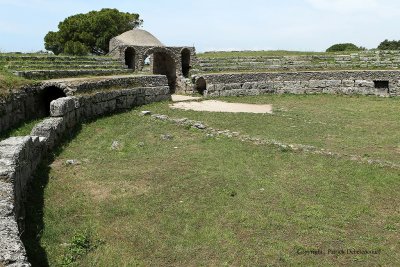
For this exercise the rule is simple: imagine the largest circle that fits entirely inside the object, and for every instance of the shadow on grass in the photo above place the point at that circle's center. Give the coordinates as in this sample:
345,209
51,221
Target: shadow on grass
20,129
34,224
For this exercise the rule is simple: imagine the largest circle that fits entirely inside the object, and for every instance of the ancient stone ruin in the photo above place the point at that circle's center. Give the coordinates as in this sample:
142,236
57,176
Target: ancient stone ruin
69,102
135,46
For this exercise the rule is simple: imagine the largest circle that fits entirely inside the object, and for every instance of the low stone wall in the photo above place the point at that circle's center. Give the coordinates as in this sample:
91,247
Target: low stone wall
19,156
20,106
67,112
88,85
19,159
51,74
28,103
382,83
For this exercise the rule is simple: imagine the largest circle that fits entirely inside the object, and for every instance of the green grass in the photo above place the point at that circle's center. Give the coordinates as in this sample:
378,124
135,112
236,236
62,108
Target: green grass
9,81
360,125
20,130
279,53
200,201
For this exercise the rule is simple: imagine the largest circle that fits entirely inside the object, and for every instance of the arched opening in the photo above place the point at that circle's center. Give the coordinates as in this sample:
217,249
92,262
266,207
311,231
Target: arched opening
148,65
201,85
49,94
185,58
130,58
163,63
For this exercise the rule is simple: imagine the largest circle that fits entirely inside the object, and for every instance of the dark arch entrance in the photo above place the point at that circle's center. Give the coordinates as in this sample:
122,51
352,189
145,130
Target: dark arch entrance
130,58
201,85
185,58
164,64
49,94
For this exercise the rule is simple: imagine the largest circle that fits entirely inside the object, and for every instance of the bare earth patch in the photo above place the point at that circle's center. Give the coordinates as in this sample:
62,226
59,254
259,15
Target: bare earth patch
219,106
179,98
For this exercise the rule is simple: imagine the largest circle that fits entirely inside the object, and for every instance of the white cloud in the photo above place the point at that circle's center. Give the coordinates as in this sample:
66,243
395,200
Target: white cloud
344,6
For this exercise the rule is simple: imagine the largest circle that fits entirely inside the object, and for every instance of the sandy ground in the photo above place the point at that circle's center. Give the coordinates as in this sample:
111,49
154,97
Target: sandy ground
219,106
179,98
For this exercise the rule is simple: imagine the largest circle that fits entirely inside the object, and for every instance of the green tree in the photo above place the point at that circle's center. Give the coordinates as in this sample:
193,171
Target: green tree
389,45
91,32
75,48
344,47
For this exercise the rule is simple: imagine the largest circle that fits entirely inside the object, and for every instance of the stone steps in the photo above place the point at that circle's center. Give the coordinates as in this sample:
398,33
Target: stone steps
361,60
52,74
63,67
50,66
61,62
7,57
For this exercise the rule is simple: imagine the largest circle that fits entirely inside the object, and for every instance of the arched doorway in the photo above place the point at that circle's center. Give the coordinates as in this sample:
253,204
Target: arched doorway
49,94
201,85
185,58
162,62
130,58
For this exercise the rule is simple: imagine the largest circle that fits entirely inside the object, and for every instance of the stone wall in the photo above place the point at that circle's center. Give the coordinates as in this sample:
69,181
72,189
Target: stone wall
142,52
20,106
27,103
52,74
383,83
82,86
323,61
19,156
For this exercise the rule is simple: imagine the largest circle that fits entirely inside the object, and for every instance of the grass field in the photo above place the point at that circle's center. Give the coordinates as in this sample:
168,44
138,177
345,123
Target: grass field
193,200
8,81
360,125
230,54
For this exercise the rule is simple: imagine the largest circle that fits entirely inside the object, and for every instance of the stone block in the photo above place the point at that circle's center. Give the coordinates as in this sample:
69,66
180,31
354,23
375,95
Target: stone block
348,83
51,128
232,86
317,84
249,85
62,106
333,83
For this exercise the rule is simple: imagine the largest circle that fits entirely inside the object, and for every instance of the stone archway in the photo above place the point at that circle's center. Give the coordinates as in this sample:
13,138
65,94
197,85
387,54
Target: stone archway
130,58
164,63
185,59
201,85
49,94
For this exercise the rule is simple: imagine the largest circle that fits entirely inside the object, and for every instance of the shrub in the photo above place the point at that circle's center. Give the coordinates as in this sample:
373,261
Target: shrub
389,45
344,47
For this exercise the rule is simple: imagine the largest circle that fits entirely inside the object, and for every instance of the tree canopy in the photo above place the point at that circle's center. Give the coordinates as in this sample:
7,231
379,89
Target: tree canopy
344,47
91,32
389,45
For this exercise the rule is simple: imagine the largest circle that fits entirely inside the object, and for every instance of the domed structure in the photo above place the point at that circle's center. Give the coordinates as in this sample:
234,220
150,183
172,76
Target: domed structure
138,37
135,46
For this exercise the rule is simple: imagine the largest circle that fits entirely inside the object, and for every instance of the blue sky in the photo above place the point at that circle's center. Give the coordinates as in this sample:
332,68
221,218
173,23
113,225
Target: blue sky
305,25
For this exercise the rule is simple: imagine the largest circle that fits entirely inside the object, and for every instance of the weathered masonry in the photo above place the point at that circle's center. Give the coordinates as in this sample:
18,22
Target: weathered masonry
381,83
136,48
20,156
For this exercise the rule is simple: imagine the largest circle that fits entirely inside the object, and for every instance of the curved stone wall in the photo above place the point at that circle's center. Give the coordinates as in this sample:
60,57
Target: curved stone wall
20,156
20,106
382,83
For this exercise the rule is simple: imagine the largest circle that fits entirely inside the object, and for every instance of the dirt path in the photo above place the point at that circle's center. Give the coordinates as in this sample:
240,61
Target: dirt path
180,98
219,106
